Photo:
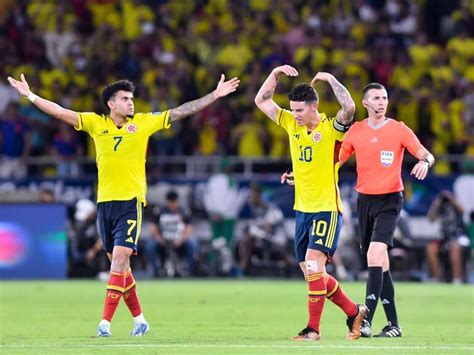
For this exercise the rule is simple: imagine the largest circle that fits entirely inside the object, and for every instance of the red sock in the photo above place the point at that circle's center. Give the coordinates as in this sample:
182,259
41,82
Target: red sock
130,295
337,296
316,297
115,288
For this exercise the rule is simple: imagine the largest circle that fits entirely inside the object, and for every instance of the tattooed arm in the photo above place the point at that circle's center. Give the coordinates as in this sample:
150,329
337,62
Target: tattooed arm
346,113
224,88
264,98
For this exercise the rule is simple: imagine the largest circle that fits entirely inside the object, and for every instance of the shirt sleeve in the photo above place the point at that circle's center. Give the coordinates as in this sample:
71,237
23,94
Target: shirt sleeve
86,122
157,121
284,119
410,140
347,148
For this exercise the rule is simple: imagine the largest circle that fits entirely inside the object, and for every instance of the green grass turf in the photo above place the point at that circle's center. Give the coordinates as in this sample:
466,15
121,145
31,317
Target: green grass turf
225,317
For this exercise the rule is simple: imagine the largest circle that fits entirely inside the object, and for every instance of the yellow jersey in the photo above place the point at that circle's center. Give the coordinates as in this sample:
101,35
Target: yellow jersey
121,152
315,160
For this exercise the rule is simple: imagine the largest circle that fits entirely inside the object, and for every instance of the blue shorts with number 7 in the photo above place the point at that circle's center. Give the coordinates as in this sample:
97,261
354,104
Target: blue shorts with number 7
318,231
119,223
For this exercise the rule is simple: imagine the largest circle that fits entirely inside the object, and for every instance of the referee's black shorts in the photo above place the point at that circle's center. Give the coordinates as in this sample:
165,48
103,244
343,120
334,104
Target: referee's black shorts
378,217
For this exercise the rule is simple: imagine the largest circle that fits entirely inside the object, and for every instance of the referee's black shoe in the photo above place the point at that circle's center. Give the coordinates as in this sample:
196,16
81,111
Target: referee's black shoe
365,329
390,331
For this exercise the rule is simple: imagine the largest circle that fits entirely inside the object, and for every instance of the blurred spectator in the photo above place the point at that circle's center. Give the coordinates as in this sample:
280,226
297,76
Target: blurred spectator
453,240
58,42
46,195
173,239
7,94
15,143
66,148
86,257
223,202
265,240
248,136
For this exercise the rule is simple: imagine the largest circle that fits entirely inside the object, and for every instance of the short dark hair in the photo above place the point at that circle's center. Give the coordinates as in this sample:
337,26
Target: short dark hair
372,86
303,92
111,89
171,196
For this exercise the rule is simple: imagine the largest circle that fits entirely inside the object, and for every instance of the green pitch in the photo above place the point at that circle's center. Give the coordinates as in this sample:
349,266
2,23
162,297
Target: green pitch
225,317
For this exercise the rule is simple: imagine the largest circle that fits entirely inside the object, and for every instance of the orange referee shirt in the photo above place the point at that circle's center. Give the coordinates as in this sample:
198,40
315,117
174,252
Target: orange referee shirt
379,155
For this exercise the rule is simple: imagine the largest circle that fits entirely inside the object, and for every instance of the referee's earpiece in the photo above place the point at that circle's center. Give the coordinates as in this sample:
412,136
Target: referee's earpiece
367,106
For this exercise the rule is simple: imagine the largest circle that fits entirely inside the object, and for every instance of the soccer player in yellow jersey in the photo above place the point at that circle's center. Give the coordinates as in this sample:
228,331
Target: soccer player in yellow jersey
121,138
315,140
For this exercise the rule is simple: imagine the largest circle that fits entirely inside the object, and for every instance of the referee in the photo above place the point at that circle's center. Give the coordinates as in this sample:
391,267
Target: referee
378,143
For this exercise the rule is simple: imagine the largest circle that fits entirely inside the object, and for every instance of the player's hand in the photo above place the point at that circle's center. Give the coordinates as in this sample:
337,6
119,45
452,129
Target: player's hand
224,88
21,87
288,178
288,70
420,170
321,76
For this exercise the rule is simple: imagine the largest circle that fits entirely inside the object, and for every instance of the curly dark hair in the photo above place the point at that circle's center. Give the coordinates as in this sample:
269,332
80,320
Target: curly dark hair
303,92
110,90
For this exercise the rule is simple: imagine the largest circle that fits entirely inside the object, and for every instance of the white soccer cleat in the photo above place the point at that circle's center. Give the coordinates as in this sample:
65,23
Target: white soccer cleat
103,330
140,329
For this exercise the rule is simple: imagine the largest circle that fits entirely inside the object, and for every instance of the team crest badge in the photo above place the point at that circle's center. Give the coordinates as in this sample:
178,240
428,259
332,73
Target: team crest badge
131,128
317,137
386,157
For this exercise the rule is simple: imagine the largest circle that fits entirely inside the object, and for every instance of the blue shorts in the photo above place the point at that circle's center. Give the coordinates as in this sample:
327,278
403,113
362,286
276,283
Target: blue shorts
319,231
119,223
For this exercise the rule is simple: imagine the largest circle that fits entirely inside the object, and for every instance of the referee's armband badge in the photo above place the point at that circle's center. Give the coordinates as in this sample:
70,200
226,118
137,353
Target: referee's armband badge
386,157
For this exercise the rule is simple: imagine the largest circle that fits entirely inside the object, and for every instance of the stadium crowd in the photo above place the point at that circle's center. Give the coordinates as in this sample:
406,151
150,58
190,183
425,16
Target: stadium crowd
421,50
174,51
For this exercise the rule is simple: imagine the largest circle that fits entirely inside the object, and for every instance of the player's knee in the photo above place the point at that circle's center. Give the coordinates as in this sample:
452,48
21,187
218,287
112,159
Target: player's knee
120,261
315,262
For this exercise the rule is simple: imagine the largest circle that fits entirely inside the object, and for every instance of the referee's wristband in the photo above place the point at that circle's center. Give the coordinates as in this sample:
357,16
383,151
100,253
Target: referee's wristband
32,97
426,161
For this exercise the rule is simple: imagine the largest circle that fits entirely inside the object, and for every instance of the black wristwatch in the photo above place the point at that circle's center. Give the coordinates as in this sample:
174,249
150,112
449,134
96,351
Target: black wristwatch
427,161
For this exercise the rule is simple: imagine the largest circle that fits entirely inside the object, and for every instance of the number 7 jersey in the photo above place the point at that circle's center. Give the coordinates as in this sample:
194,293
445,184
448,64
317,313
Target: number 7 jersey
121,152
315,160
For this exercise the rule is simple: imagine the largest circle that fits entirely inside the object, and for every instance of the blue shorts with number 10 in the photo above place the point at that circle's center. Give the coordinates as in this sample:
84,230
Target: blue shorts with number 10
319,231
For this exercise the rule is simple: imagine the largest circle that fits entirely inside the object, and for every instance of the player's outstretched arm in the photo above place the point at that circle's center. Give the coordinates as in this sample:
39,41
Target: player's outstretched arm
223,88
50,108
346,113
264,98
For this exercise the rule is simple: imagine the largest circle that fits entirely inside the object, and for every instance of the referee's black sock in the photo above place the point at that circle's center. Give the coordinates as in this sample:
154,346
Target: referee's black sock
373,290
388,298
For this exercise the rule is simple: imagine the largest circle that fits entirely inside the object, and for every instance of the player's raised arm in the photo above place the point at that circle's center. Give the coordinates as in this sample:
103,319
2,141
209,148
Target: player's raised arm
346,113
50,108
223,88
264,98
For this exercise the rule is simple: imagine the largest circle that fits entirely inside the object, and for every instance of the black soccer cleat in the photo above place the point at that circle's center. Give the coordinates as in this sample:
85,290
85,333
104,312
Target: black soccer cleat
390,331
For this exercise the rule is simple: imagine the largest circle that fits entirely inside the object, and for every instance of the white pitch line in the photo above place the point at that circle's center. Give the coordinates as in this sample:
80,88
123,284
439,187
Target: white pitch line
243,346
